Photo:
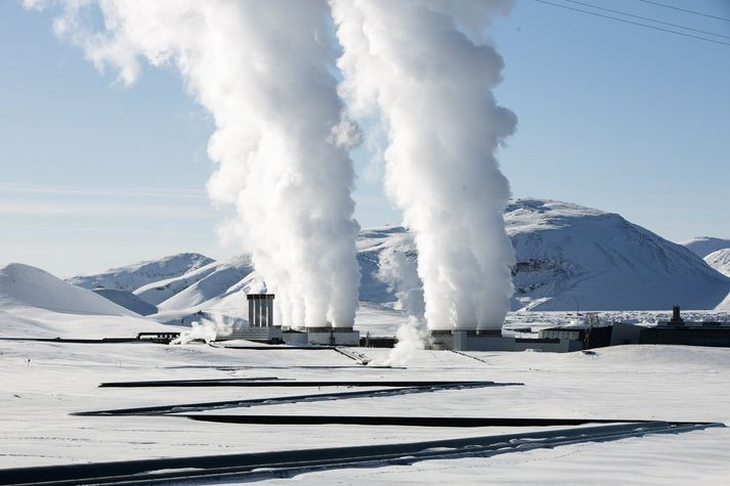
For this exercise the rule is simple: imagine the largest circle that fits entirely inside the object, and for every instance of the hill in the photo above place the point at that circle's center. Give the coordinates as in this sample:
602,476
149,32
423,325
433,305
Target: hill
131,277
568,257
35,304
26,286
704,245
720,261
127,300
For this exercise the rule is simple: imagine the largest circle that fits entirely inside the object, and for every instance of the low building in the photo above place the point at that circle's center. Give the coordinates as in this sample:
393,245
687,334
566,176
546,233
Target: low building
333,336
556,340
589,337
625,333
687,333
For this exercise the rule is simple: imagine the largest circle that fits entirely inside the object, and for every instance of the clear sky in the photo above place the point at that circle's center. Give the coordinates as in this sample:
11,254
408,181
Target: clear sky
611,115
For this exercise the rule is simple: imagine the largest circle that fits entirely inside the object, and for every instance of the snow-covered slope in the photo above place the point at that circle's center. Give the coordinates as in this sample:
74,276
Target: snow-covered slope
218,284
193,288
370,245
35,304
26,286
570,256
704,245
131,277
720,261
127,300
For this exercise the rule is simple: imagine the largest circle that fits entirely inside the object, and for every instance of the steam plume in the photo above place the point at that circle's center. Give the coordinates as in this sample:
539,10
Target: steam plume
402,277
263,68
204,330
427,68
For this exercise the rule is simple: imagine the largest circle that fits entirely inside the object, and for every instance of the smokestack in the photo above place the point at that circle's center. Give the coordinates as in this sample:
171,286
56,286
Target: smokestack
260,310
427,71
676,317
263,69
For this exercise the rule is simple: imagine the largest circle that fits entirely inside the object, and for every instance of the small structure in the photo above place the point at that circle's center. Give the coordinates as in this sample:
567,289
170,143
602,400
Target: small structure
586,337
294,337
471,340
333,336
625,333
158,337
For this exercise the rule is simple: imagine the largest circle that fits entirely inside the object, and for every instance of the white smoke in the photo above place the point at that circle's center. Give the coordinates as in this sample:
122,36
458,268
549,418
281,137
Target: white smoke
204,330
264,70
401,275
426,69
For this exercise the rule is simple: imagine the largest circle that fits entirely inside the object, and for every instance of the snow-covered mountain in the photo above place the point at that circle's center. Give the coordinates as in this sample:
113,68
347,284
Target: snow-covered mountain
34,303
196,286
131,277
720,261
127,300
228,277
704,245
568,257
26,286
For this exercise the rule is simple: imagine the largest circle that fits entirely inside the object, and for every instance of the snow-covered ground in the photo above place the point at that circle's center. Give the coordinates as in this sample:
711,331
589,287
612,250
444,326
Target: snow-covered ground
44,382
569,257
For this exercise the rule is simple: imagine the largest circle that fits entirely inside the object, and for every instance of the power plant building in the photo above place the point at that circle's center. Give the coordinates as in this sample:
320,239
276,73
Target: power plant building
688,333
261,326
333,336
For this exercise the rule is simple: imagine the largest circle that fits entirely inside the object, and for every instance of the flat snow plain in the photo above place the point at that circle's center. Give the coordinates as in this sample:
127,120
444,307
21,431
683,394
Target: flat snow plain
42,382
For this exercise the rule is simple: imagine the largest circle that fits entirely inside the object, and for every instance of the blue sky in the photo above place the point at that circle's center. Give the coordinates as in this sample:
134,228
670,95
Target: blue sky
611,115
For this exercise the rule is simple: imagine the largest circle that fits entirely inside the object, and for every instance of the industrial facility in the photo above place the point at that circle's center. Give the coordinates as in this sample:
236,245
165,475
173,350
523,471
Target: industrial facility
261,328
679,331
588,335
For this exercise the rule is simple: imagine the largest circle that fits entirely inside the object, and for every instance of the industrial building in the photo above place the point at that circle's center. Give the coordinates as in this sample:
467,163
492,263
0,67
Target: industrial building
333,336
261,326
588,335
555,339
688,333
492,340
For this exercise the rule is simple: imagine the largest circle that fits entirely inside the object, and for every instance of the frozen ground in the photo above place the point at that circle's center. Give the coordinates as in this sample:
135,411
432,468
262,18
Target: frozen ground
44,382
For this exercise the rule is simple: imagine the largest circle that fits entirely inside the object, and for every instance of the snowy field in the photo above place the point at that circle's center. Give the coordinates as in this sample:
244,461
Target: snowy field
44,382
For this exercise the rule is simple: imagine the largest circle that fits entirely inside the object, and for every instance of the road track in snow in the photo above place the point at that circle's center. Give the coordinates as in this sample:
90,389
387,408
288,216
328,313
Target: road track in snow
316,397
265,465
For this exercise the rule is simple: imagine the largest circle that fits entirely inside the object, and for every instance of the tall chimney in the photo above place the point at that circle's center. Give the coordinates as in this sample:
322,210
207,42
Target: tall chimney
260,310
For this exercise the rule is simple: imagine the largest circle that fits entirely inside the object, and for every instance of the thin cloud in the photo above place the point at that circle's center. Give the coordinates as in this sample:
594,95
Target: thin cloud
124,192
54,208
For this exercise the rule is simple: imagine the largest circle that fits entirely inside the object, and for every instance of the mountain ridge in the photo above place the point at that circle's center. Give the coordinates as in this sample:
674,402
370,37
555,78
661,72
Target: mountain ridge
568,256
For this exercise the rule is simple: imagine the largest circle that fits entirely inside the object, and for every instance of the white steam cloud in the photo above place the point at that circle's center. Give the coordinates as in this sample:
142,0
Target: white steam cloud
203,330
401,275
264,70
426,69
